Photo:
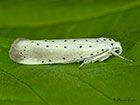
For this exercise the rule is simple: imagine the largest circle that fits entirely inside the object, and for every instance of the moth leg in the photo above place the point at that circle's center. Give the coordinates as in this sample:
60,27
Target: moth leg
101,57
93,59
86,61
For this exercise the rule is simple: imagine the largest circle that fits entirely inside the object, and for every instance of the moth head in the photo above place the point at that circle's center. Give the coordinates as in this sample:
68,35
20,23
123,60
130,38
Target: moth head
117,50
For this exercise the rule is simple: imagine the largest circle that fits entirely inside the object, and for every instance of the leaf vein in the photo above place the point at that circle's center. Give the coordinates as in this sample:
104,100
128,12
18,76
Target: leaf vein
28,86
91,86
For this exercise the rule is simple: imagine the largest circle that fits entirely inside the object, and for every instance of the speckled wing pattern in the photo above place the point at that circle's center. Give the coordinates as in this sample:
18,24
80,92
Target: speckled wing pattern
27,51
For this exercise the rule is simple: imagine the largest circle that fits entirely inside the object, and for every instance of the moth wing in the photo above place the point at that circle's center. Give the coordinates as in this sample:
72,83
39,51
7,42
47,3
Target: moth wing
14,52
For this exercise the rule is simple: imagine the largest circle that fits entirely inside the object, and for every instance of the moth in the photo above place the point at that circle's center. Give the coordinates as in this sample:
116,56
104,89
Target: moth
88,50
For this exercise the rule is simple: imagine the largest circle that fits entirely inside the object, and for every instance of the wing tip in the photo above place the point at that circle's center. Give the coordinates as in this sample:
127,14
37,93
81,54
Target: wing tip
14,52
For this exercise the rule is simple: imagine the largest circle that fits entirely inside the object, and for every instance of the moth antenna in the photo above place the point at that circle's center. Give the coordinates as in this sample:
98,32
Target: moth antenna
115,54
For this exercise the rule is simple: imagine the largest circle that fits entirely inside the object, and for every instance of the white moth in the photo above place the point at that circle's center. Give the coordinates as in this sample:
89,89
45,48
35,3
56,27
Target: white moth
25,51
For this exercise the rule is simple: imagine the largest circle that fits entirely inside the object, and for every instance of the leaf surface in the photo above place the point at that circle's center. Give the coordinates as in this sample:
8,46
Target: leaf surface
111,82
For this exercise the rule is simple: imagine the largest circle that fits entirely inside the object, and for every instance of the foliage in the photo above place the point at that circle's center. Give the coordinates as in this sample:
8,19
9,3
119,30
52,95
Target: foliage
112,82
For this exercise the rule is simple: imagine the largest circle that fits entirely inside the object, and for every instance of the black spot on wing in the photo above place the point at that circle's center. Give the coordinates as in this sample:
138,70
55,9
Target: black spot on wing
63,58
74,40
97,41
90,46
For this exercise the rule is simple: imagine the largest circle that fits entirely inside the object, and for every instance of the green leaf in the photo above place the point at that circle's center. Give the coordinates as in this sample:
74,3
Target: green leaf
111,82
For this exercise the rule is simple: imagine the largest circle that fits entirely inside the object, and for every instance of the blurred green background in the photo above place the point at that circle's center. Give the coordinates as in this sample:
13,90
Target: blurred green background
112,82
